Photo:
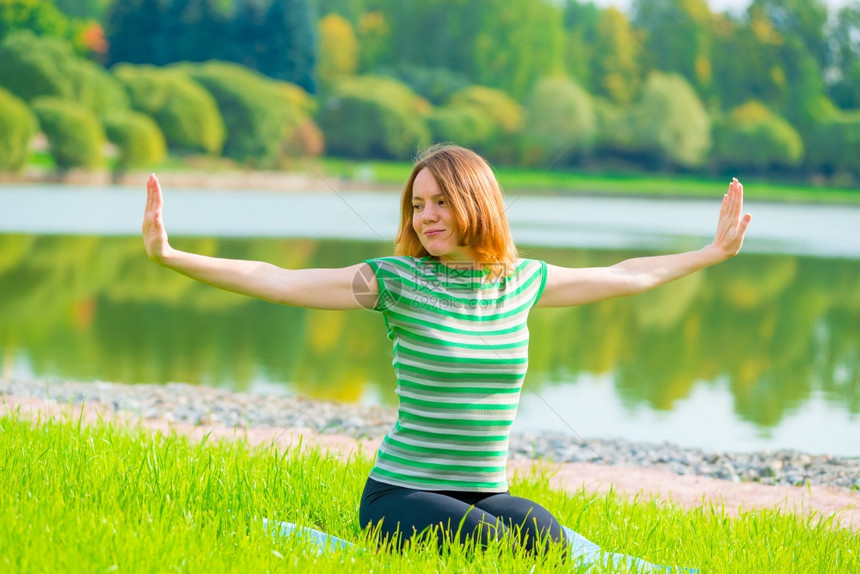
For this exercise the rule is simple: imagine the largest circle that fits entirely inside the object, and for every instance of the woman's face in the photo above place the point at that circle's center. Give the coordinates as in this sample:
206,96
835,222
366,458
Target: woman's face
432,221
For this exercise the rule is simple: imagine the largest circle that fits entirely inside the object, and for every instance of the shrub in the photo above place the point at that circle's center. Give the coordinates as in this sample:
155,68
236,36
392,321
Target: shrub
138,138
560,122
32,67
752,136
186,113
464,124
369,116
254,112
834,144
670,123
507,117
75,136
17,128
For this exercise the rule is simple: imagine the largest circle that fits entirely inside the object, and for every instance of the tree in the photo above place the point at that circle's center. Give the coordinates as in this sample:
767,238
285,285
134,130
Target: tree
338,50
677,38
615,63
581,31
753,137
290,39
845,57
560,122
137,32
670,122
38,16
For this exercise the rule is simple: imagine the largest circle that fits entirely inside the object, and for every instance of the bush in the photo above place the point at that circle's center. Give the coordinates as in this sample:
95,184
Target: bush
753,137
507,117
465,124
75,136
138,138
374,117
834,144
560,122
32,67
17,128
670,123
254,112
186,113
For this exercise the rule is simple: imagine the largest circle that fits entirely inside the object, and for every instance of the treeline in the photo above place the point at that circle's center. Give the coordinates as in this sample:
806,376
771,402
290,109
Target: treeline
674,86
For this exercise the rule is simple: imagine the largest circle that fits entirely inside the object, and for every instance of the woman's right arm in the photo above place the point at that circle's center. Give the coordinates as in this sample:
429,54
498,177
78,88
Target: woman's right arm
343,288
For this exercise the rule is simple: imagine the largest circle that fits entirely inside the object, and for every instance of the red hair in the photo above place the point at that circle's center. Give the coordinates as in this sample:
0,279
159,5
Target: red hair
469,186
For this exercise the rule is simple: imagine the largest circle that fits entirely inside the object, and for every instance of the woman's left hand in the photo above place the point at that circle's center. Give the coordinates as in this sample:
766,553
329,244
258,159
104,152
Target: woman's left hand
732,226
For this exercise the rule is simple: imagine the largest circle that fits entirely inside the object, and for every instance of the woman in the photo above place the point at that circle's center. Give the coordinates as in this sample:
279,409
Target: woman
455,299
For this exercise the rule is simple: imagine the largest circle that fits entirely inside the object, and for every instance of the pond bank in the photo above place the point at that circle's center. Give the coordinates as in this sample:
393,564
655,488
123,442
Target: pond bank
206,406
626,468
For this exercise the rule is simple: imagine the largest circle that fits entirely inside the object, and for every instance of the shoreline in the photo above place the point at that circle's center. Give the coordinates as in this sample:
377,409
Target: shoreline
209,406
633,470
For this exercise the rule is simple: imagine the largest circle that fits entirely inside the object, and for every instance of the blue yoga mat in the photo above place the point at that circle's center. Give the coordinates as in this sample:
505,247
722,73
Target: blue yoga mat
582,551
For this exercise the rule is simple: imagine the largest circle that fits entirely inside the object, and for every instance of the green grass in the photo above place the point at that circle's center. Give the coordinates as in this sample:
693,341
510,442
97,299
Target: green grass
519,180
107,498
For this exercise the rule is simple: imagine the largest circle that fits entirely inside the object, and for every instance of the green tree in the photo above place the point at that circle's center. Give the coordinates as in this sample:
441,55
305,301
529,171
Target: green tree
338,49
138,138
85,9
75,135
560,122
615,60
17,128
374,117
32,66
670,122
752,137
290,41
678,36
38,16
136,31
581,33
845,57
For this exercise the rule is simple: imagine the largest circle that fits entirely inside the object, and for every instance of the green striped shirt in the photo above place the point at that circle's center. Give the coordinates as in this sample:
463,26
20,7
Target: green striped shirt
460,356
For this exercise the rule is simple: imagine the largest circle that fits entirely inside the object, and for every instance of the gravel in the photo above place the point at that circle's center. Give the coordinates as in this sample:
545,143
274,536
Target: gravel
200,405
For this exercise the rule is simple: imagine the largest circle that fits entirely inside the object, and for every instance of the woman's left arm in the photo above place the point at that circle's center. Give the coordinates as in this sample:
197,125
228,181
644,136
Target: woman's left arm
566,287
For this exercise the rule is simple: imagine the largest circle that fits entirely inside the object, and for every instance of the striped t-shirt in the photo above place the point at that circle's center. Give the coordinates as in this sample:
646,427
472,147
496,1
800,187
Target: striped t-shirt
460,356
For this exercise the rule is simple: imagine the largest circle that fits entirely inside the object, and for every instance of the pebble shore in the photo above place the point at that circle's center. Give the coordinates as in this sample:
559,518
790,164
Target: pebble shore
199,405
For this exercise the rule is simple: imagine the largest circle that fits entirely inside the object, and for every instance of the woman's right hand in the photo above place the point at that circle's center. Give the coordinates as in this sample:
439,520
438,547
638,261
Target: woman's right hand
154,234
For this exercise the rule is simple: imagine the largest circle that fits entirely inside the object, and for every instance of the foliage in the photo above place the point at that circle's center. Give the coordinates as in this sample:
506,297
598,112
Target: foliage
436,85
276,38
678,37
32,66
338,49
17,128
615,60
753,137
845,64
506,44
38,16
256,116
463,124
372,116
834,144
670,122
507,116
186,113
138,138
75,136
560,122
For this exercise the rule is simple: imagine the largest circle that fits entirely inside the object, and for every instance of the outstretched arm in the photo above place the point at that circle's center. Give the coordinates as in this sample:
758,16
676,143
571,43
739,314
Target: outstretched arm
566,287
314,288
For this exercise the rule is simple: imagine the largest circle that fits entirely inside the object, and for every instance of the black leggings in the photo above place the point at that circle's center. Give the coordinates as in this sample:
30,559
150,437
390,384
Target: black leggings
405,513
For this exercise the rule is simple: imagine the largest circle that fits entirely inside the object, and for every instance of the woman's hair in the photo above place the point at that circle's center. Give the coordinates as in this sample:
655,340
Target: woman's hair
475,199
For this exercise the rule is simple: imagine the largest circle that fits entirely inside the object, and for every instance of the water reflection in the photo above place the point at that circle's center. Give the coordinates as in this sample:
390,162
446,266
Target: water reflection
773,331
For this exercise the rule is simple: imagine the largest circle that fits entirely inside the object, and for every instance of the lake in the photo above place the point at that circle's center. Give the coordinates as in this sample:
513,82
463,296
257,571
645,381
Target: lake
760,352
